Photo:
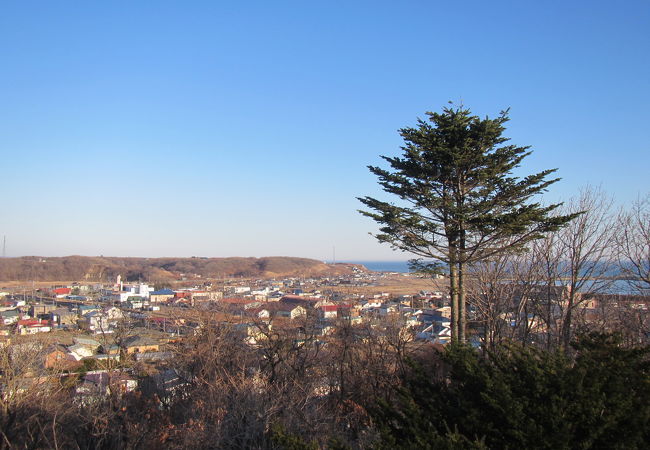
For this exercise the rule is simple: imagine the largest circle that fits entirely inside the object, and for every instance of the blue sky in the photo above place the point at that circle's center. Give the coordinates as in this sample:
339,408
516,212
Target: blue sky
160,128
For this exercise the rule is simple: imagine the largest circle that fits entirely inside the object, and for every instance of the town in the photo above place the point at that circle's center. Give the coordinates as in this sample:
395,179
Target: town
102,335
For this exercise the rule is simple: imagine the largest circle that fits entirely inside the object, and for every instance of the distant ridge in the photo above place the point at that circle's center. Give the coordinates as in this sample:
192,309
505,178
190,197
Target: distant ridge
101,269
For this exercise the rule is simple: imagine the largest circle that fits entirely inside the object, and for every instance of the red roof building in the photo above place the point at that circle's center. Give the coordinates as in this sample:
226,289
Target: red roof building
61,291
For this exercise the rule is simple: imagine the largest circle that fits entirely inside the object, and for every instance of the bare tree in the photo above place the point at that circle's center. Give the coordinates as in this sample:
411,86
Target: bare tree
33,398
564,269
585,252
492,292
509,293
633,244
545,297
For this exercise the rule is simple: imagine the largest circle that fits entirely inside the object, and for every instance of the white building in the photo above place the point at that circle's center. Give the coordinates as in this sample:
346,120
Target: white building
129,290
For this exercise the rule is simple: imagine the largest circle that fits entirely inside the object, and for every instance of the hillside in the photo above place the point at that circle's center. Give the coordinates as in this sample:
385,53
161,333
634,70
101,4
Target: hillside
90,268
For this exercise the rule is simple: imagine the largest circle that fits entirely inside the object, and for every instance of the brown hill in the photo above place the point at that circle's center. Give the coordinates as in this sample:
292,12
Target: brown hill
90,268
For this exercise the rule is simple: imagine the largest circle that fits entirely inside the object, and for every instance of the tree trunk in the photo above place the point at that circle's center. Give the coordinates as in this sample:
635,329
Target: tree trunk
462,320
489,332
462,310
549,315
568,319
453,293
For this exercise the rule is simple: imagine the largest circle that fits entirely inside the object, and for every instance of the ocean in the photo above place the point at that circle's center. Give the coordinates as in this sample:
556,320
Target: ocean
613,287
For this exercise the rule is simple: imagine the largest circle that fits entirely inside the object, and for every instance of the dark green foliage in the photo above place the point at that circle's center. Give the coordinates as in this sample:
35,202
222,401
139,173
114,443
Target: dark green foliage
526,398
283,440
455,178
457,200
455,174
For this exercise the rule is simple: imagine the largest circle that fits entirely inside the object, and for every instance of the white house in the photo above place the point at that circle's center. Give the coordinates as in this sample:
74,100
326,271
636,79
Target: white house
80,351
95,321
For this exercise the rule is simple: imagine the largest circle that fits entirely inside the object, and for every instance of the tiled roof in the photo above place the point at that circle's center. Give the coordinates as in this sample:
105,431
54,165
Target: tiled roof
162,292
238,301
329,308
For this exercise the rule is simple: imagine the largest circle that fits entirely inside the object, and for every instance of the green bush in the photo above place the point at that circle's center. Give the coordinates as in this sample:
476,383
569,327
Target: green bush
525,398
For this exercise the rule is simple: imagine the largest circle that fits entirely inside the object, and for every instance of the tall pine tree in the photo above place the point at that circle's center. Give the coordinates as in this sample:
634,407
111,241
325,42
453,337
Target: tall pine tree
458,200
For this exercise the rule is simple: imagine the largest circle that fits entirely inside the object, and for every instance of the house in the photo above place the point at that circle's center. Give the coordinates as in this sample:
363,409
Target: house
57,357
50,317
153,356
434,327
324,329
105,359
98,384
11,303
83,347
328,311
308,302
10,316
110,349
371,304
126,291
88,342
252,333
95,321
280,309
80,287
140,344
165,384
206,296
160,323
134,302
444,311
161,296
33,326
429,316
387,309
412,320
235,304
64,316
259,312
348,311
322,302
141,290
239,289
41,308
61,292
80,352
85,309
438,334
114,313
184,302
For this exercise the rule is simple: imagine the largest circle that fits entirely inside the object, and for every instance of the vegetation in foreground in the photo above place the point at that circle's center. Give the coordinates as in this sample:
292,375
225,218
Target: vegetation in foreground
525,398
361,390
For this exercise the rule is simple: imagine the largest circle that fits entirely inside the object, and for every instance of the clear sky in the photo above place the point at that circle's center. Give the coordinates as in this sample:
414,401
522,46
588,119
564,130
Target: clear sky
179,128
